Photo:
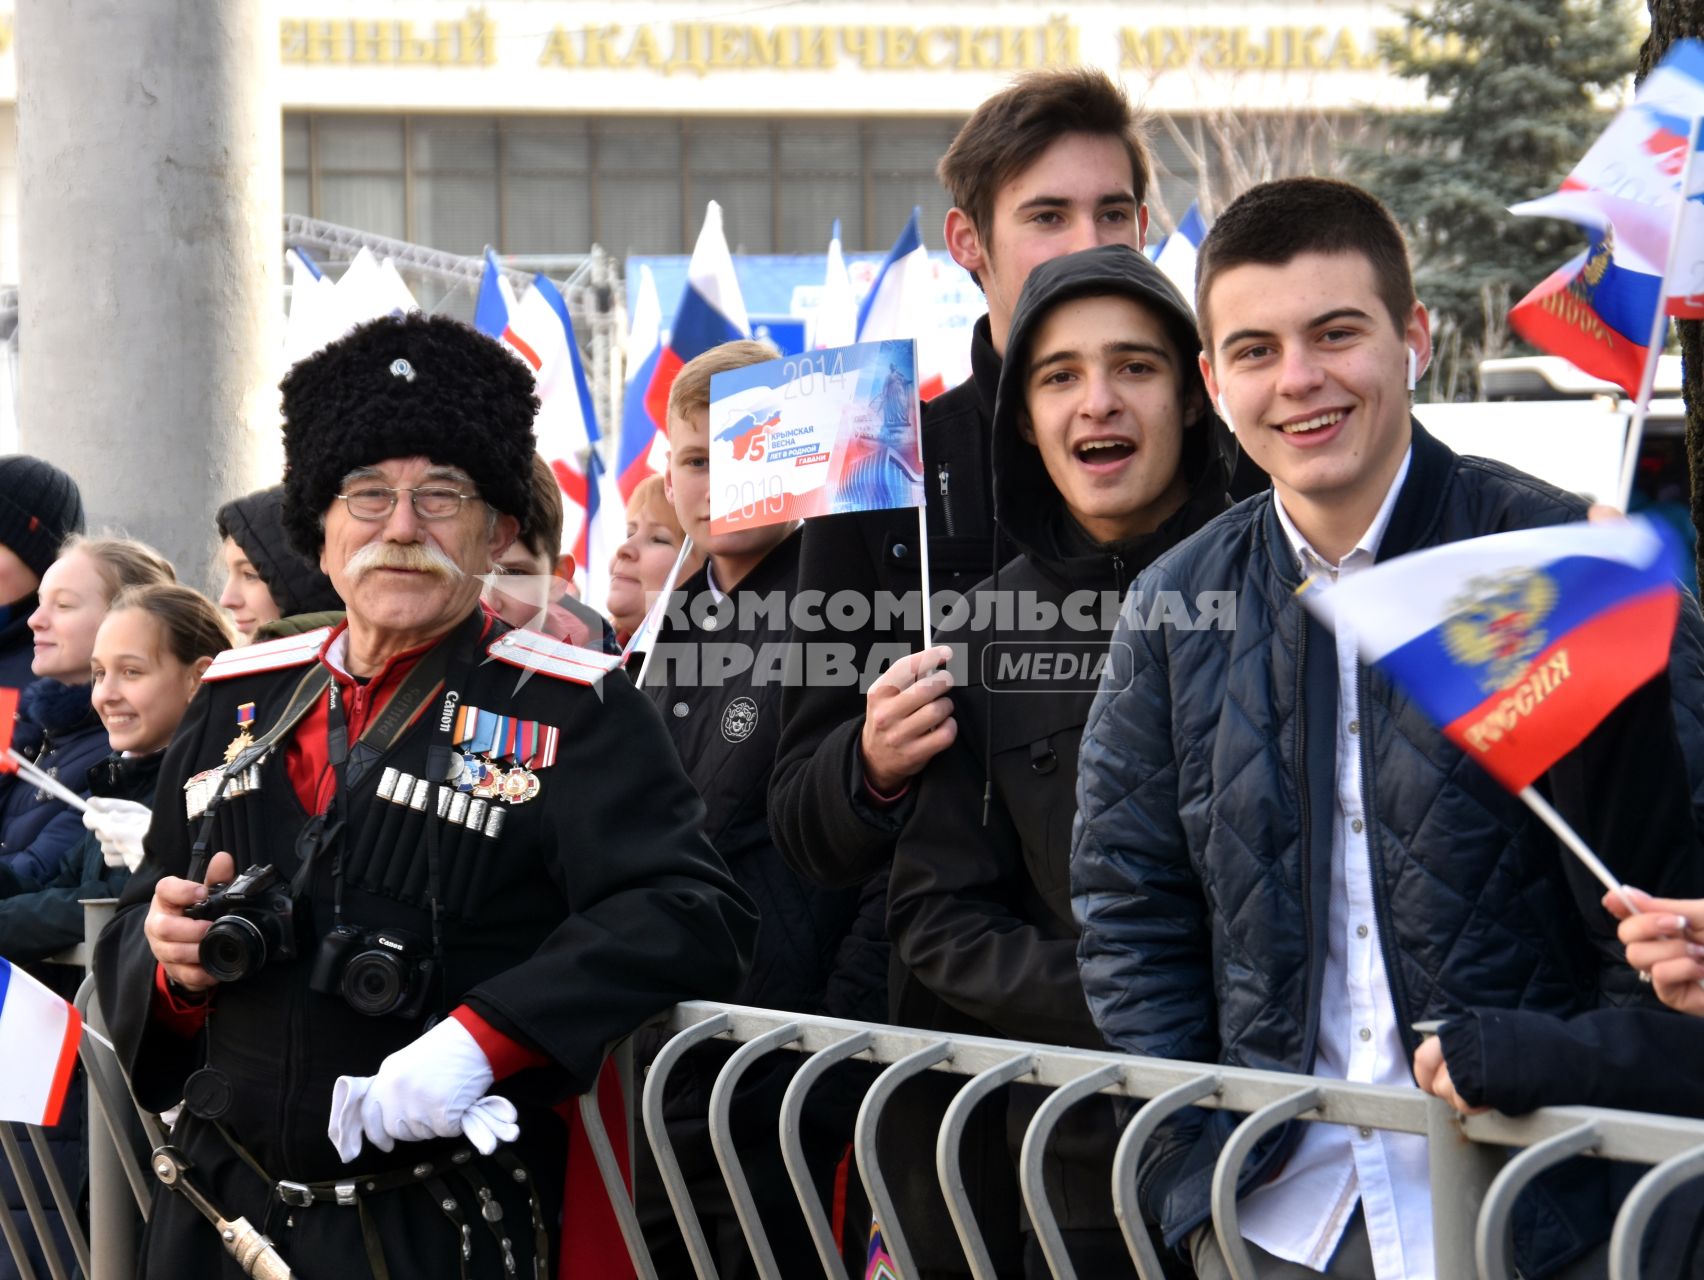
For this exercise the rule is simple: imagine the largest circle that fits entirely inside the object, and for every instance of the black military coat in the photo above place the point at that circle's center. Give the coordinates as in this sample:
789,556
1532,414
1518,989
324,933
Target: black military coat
598,905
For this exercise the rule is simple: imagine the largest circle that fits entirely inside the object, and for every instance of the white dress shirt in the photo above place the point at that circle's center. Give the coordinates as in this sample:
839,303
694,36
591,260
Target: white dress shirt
1300,1215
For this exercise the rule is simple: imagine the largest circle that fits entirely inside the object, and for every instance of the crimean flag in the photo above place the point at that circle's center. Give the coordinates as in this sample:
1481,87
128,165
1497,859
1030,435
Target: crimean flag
900,304
1595,311
644,439
1628,183
878,1263
711,311
1518,644
39,1034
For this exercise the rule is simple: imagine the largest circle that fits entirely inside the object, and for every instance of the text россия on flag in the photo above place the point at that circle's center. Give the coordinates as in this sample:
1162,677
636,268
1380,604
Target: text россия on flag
1519,644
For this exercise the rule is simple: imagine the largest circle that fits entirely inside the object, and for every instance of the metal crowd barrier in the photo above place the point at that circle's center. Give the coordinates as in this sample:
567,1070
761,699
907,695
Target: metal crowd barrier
1475,1180
1479,1165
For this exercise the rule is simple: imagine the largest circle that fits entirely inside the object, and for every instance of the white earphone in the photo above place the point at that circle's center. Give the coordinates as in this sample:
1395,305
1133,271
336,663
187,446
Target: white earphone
1224,413
1413,368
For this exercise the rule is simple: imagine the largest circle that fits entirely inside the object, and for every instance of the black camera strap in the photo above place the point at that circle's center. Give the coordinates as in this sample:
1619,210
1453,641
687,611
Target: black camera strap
349,764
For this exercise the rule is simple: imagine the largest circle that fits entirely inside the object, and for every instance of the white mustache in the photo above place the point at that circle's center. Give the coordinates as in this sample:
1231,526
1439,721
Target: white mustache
420,557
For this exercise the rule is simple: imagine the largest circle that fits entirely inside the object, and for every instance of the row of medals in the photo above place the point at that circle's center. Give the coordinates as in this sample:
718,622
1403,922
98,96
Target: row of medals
488,780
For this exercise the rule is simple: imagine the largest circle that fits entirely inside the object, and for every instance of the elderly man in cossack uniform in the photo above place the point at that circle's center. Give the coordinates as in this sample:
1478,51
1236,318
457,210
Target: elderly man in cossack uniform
462,864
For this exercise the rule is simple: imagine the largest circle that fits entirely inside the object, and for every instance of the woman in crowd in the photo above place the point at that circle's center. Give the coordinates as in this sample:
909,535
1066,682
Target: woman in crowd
266,582
75,594
642,563
147,662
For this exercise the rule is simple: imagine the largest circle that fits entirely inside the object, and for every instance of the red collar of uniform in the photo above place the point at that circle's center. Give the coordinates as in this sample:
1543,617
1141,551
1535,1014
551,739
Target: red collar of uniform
364,697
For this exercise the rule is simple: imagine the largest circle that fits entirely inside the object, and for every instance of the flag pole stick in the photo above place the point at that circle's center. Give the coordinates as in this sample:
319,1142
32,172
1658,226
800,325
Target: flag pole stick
923,563
1579,848
1659,323
661,604
47,782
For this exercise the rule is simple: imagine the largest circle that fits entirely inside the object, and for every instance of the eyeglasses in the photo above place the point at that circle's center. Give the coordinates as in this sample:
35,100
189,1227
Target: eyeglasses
430,502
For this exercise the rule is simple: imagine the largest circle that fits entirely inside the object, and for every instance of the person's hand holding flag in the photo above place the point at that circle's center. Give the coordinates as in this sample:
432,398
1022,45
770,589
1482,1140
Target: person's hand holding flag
1665,943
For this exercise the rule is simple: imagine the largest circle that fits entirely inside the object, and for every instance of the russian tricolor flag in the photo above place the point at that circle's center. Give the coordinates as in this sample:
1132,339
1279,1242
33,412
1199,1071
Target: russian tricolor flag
39,1034
644,439
900,303
1517,644
711,312
1596,311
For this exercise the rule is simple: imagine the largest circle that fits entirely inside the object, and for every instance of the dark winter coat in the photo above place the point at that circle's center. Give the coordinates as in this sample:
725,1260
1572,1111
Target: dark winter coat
36,829
818,950
724,730
17,643
39,923
1631,1059
1201,864
823,820
598,905
979,908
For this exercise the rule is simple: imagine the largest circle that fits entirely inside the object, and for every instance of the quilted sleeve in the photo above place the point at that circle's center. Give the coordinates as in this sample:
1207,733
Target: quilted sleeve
1144,956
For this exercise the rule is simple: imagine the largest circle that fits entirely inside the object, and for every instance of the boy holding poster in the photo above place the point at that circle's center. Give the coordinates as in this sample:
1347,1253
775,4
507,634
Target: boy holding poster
716,678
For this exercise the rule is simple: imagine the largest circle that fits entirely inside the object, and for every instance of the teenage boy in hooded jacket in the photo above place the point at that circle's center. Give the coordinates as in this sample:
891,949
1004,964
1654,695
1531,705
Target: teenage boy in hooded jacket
1106,453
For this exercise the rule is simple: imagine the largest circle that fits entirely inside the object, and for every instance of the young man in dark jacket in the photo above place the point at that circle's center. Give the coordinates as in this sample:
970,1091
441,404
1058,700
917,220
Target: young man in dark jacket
715,679
1279,861
1106,454
1054,164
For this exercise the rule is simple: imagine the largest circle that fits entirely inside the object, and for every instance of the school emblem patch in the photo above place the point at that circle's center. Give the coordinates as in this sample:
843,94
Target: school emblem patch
739,719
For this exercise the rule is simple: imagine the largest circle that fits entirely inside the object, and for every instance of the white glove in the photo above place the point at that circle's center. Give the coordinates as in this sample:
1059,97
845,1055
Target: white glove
119,825
431,1088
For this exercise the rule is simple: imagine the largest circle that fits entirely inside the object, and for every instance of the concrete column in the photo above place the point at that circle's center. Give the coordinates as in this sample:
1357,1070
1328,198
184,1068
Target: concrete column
150,197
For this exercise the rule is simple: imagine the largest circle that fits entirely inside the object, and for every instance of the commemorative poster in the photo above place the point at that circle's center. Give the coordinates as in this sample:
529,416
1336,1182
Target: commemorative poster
815,434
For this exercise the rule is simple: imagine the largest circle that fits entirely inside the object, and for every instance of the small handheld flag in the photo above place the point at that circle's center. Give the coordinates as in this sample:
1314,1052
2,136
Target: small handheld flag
39,1034
1517,644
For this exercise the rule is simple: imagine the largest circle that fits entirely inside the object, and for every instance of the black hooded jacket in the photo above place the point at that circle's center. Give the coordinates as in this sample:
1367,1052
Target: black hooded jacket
985,923
256,523
979,909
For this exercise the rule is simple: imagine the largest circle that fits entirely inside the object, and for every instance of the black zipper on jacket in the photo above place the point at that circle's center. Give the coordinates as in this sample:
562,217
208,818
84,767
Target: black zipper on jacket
942,473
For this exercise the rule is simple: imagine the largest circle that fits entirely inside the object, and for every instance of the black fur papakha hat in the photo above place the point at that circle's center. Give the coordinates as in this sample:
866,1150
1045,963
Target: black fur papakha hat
404,387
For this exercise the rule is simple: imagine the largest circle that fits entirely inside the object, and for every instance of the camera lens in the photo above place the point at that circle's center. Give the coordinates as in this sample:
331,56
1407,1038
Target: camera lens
374,983
232,949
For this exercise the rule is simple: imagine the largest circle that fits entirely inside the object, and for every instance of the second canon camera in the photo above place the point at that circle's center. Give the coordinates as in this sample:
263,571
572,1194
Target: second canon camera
377,972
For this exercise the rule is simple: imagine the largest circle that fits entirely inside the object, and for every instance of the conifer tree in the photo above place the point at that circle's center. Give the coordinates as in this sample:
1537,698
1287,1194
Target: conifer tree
1519,88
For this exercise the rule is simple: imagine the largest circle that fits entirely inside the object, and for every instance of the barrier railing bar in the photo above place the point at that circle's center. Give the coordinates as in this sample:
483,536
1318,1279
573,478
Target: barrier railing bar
727,1153
61,1197
1460,1173
657,1133
109,1096
949,1164
32,1202
1226,1221
1032,1165
1491,1239
793,1147
1641,1206
1124,1166
615,1187
882,1205
14,1237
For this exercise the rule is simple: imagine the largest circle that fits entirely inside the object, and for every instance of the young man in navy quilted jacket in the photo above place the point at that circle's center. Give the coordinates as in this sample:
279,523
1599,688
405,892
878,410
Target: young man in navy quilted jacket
1279,862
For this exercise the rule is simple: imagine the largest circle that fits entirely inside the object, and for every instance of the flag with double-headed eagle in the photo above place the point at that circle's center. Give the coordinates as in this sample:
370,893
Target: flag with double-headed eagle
1635,193
1518,644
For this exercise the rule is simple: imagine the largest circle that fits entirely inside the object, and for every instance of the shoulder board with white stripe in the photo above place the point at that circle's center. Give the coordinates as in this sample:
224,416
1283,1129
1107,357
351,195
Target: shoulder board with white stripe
271,655
535,651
